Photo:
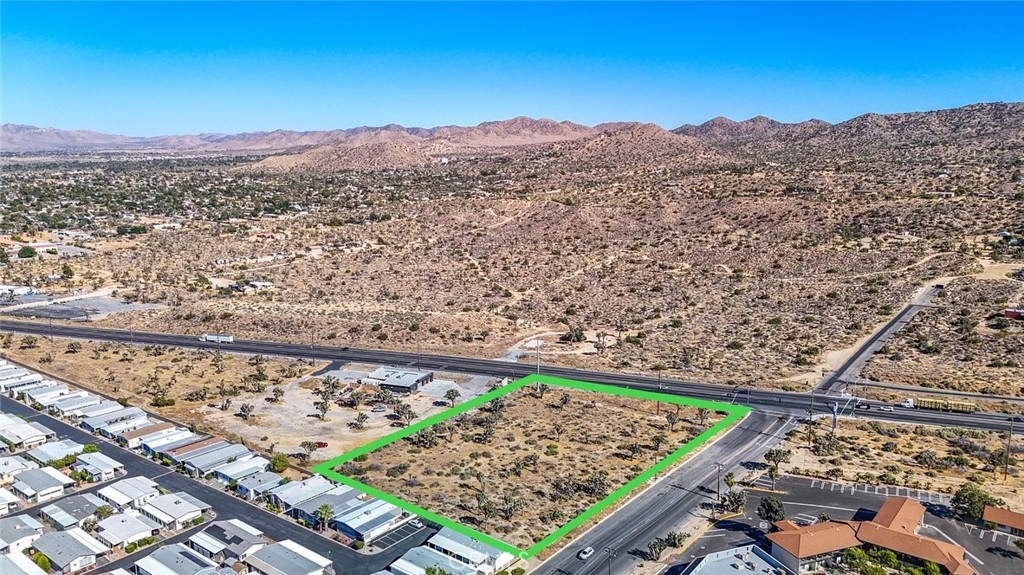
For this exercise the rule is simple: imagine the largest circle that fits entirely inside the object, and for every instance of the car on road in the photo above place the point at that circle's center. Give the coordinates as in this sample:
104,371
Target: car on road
863,406
416,523
321,444
379,408
585,554
885,408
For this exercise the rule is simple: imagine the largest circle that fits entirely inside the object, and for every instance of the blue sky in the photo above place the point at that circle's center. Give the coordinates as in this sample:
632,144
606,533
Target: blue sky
153,68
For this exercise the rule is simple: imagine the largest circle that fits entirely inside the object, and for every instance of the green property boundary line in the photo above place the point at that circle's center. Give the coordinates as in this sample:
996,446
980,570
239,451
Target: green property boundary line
734,413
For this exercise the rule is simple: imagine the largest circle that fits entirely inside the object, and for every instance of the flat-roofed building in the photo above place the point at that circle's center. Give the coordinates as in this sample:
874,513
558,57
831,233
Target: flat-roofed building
174,559
368,520
8,501
43,484
26,435
204,464
69,551
398,380
160,439
18,533
291,494
198,447
131,492
737,560
98,467
102,408
54,451
228,541
238,470
340,499
482,557
71,511
19,564
256,485
123,529
74,406
288,558
175,510
93,424
134,437
418,560
12,465
116,430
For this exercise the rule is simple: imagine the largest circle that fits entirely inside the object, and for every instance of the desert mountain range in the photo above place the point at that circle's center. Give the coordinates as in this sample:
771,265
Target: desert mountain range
714,142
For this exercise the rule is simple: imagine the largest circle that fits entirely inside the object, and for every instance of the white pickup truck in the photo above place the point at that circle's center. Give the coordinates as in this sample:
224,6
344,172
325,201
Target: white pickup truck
217,338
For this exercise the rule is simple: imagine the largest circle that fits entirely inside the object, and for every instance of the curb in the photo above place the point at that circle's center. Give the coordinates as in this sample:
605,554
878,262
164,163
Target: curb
764,490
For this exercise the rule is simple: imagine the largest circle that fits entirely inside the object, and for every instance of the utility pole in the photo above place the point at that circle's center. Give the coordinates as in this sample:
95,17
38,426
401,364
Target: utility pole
538,357
417,354
659,391
1009,439
612,552
718,486
810,418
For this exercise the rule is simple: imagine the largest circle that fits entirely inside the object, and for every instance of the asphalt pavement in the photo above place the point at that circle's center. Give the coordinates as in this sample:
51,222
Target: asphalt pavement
766,401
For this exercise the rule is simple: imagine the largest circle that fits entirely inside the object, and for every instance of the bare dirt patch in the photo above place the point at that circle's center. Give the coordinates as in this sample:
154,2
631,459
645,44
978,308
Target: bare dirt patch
917,456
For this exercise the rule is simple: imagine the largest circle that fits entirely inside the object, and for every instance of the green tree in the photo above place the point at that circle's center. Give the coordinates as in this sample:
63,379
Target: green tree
771,509
278,463
27,252
574,335
323,515
104,511
277,392
932,568
43,562
451,395
66,272
970,501
4,258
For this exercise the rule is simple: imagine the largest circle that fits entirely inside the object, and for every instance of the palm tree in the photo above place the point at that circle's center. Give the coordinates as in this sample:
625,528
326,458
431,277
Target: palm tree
323,515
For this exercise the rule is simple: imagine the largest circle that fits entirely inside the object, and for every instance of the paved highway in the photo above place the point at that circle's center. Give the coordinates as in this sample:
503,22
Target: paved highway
766,401
669,503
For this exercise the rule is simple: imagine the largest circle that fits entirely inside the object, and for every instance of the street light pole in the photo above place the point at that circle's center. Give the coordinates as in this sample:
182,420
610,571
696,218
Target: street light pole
538,357
718,485
611,553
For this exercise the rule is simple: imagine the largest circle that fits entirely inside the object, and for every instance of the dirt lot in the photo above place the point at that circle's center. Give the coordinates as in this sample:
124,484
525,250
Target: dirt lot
519,468
966,345
138,374
916,456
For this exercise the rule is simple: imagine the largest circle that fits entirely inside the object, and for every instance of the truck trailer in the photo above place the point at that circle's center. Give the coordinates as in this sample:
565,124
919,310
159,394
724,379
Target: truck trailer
940,404
217,338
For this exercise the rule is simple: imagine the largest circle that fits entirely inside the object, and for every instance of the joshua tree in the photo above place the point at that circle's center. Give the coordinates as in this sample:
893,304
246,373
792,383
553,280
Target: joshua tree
655,548
511,505
360,420
658,440
277,392
559,429
451,395
672,420
308,447
246,410
702,415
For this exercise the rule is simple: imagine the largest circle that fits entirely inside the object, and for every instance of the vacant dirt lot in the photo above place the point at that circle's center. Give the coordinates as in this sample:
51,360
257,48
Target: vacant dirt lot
917,456
966,345
524,464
